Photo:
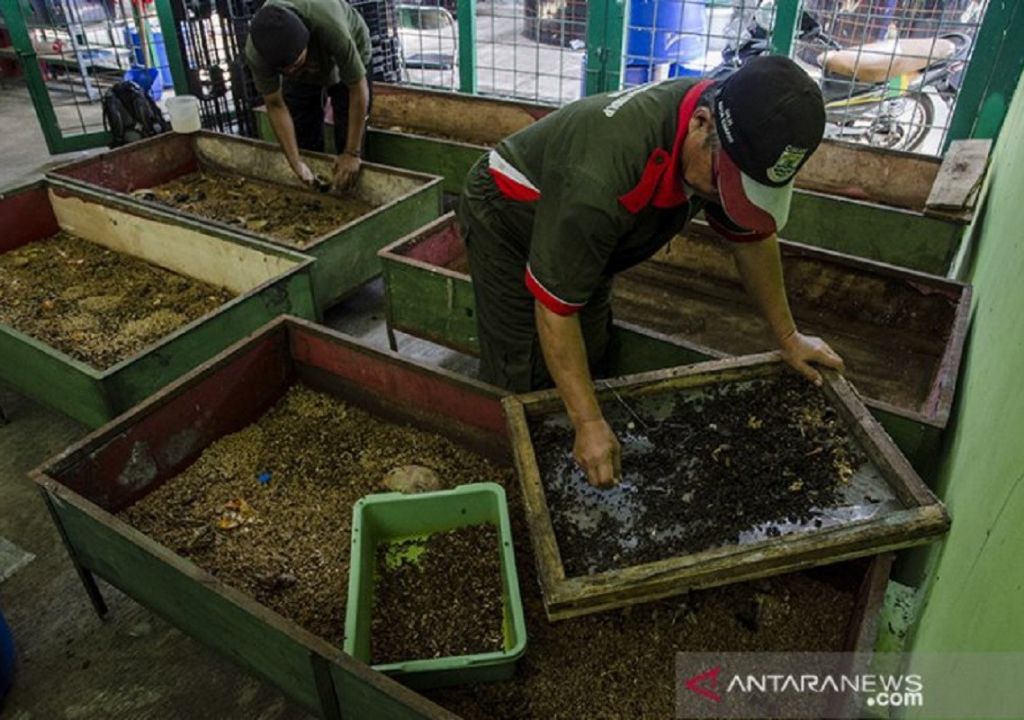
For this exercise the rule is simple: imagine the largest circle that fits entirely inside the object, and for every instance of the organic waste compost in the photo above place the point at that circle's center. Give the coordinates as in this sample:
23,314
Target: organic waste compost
94,304
290,215
438,597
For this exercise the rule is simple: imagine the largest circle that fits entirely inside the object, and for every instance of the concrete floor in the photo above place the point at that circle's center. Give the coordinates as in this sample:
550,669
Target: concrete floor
131,666
23,153
71,664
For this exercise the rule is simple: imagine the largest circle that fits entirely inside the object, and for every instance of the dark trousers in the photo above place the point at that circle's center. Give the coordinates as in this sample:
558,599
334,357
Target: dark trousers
306,103
510,351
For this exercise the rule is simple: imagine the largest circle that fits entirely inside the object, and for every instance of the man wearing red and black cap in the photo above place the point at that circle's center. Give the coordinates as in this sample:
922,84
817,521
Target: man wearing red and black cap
320,47
555,210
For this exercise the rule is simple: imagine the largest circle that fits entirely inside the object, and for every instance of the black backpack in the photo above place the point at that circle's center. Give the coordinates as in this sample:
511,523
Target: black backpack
130,114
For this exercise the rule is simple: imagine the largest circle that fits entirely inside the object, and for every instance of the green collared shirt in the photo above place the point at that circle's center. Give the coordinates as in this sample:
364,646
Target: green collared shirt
338,50
590,189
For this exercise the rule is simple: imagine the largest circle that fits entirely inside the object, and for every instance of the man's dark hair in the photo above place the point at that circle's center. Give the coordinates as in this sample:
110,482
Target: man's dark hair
279,35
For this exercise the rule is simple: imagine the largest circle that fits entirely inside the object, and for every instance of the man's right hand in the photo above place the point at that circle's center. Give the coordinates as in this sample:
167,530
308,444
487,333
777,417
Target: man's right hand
304,173
598,452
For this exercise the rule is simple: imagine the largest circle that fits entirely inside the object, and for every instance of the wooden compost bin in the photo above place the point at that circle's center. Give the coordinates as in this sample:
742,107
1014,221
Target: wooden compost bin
346,256
900,208
686,304
85,486
909,513
268,281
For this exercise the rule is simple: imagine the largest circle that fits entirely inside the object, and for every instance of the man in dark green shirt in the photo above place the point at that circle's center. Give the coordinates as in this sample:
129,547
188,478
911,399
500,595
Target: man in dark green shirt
319,47
555,210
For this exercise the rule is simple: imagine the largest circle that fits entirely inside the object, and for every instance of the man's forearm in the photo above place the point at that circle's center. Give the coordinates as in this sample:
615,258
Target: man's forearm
760,267
561,340
284,129
358,108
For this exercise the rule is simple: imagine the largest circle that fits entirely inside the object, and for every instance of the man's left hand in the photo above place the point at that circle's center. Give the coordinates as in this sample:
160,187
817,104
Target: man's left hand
801,350
346,170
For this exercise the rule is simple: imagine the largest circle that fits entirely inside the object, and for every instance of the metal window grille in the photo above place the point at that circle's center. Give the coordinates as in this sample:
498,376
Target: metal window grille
890,70
213,33
85,46
212,36
679,38
381,18
525,49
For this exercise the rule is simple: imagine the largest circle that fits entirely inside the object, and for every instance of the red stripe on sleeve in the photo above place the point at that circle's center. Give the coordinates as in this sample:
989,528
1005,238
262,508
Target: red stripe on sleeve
511,189
549,300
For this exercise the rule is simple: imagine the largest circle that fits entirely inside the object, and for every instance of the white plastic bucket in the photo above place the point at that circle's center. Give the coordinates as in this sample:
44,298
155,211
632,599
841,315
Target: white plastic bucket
184,112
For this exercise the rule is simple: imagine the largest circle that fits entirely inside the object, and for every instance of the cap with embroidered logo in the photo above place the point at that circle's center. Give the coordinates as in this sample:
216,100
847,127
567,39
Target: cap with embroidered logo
770,117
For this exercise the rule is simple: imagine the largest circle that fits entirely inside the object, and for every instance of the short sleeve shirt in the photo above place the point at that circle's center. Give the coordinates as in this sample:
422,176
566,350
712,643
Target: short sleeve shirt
338,50
585,165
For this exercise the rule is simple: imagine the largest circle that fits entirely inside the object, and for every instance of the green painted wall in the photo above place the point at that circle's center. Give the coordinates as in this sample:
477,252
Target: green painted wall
975,597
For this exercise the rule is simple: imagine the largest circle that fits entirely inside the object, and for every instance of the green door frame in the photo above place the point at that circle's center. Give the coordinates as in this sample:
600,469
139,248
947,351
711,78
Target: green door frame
467,46
787,20
993,74
606,44
56,141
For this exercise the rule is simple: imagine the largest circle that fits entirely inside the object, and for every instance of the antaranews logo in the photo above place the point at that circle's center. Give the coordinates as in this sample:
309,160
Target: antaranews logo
706,683
798,685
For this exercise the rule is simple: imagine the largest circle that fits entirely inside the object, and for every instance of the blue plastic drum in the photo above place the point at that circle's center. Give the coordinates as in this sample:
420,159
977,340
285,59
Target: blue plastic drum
632,75
665,31
148,79
6,657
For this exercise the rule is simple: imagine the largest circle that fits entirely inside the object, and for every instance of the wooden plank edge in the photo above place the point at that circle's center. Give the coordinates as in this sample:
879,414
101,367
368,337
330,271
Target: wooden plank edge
868,607
568,602
971,155
939,404
547,556
660,380
874,440
925,522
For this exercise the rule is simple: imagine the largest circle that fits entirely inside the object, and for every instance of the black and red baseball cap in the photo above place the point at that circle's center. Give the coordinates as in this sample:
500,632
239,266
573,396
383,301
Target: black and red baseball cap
770,117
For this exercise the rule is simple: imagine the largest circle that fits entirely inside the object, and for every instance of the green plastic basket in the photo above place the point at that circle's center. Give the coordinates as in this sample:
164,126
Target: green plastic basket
395,517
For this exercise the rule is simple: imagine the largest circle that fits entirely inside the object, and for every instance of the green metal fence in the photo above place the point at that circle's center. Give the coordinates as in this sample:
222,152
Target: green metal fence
892,70
554,51
70,51
527,49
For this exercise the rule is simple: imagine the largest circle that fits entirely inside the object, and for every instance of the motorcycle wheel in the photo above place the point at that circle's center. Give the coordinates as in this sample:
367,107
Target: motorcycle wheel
905,129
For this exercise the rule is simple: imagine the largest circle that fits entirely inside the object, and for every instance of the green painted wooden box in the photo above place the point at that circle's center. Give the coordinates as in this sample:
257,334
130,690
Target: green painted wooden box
84,488
268,280
902,333
854,199
346,256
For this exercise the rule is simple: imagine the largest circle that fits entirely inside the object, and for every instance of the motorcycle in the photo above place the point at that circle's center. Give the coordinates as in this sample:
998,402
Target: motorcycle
879,93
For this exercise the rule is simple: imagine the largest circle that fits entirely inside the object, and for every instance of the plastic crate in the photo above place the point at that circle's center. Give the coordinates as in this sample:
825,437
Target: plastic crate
394,517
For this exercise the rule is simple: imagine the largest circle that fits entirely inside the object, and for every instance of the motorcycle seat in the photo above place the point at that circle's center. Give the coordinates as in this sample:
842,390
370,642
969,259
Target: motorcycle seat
879,61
